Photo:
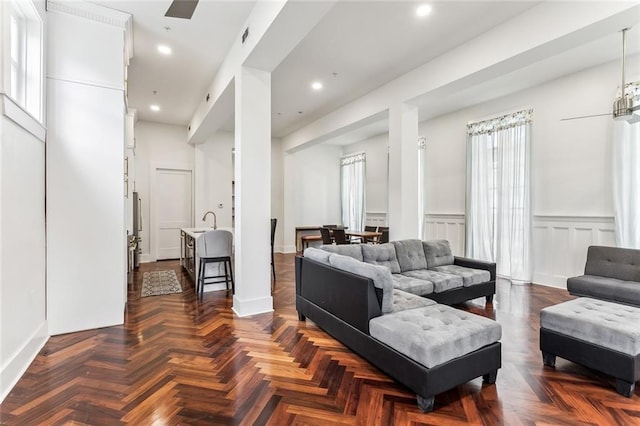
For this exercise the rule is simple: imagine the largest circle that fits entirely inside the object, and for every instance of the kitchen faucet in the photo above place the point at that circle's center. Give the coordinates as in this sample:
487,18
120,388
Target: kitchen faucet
215,225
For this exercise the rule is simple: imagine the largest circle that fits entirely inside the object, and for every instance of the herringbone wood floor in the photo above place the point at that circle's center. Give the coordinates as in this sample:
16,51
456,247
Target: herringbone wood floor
178,360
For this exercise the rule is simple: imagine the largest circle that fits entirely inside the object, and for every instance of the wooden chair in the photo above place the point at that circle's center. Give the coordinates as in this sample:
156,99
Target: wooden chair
339,236
371,229
274,223
326,236
384,238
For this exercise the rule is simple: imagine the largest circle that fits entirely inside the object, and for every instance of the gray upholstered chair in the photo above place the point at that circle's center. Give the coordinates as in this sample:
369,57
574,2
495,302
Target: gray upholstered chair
213,248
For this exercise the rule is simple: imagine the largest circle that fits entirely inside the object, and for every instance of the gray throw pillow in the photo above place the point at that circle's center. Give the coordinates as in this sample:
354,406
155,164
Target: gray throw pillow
410,255
381,254
438,253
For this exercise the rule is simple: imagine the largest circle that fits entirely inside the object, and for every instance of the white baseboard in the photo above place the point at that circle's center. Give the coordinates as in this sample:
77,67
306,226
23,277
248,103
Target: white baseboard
288,249
14,368
246,307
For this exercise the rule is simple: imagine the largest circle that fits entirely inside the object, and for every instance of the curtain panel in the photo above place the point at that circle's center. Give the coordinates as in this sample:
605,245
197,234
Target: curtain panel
499,194
626,183
353,181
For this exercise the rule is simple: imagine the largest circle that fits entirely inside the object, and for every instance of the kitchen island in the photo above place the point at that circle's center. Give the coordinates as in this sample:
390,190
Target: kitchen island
189,258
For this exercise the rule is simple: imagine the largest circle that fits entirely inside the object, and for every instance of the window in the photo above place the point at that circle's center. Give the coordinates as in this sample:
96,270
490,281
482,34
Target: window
25,56
352,178
499,195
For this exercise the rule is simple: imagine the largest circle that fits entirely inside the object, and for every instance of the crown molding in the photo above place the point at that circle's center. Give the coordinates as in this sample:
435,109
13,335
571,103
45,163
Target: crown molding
101,14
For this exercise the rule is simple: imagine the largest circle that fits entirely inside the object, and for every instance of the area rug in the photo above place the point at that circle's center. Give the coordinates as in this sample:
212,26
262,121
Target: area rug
157,283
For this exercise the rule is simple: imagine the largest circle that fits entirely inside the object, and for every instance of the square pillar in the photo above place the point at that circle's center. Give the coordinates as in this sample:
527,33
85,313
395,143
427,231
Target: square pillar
253,192
403,217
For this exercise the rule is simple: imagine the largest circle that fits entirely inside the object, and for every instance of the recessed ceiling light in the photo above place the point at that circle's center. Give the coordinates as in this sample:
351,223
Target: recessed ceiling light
155,107
316,85
164,49
423,10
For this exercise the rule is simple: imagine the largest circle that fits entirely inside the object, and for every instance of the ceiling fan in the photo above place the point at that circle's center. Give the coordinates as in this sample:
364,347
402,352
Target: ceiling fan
181,9
623,107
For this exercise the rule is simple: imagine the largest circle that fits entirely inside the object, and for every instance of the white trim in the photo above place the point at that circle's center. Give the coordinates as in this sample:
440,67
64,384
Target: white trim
571,219
17,114
285,249
91,83
260,305
101,14
153,170
13,369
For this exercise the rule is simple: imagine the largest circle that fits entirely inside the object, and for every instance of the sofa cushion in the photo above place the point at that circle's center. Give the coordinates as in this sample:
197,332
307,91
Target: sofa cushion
627,292
379,274
381,254
412,285
469,276
321,256
435,334
403,301
602,323
437,252
441,281
410,255
613,262
351,250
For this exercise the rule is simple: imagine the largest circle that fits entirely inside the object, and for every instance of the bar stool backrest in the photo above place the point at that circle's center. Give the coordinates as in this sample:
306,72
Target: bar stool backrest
216,243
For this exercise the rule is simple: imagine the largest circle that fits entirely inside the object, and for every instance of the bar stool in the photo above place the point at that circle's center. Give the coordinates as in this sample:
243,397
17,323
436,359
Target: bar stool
215,247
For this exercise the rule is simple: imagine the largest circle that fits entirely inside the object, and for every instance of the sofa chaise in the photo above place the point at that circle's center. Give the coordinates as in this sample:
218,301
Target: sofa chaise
426,346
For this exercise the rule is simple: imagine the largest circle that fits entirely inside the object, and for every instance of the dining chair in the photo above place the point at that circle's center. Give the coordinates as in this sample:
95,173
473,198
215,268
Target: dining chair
326,236
213,248
384,238
371,229
339,236
274,223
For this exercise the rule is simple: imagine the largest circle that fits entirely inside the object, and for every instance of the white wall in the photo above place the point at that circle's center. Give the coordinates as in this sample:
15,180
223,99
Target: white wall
277,192
157,145
571,169
377,183
316,194
23,325
213,179
86,235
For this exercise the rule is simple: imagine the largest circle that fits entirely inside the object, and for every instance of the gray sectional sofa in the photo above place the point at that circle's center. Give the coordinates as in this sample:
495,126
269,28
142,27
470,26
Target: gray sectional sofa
352,294
611,273
425,268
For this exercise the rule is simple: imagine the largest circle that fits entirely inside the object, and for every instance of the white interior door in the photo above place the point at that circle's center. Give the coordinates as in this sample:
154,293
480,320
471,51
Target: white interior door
173,206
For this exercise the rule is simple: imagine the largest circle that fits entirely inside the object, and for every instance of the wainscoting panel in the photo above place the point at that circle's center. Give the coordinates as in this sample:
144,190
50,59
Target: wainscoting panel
446,227
376,219
560,245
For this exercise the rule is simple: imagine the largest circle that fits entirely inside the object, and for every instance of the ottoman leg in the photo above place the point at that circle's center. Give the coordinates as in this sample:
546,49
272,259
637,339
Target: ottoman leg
624,388
425,404
301,317
489,299
491,377
548,359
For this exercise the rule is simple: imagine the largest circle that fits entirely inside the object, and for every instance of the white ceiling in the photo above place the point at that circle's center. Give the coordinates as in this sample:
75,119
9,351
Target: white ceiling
365,43
199,46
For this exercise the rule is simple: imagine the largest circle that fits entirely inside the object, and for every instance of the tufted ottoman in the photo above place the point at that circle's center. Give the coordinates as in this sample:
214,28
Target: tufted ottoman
440,338
604,336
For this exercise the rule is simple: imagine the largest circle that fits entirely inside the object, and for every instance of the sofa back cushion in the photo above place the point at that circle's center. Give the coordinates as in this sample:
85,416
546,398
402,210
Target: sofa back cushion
351,250
318,255
438,253
410,255
380,275
381,254
613,262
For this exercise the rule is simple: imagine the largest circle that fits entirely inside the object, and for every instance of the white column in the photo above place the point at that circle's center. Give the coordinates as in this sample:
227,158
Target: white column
253,192
403,172
289,222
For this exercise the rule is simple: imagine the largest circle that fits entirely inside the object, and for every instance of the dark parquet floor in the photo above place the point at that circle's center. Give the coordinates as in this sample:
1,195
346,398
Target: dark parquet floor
180,360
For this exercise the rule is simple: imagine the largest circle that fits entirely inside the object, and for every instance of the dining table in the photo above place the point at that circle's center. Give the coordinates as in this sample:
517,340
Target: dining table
364,235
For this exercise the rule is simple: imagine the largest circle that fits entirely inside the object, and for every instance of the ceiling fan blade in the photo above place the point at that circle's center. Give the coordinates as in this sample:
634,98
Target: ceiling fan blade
182,9
585,116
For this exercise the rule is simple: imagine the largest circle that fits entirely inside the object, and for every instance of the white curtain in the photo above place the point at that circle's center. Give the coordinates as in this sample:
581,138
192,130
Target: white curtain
626,183
480,238
499,194
353,178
